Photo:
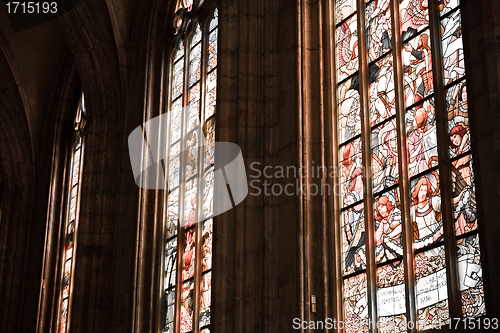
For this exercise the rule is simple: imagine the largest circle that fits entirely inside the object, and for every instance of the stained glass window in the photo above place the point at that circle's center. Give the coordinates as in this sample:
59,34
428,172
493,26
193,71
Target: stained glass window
70,225
405,167
191,109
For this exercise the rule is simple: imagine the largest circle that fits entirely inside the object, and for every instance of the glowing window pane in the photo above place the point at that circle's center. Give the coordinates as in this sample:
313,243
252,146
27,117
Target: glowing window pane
378,26
178,77
210,143
445,6
347,49
351,173
195,64
421,138
417,59
414,17
206,301
187,307
170,263
385,156
355,304
208,193
194,106
206,261
349,122
168,326
344,8
191,155
471,276
189,254
174,168
382,94
432,292
425,211
458,119
212,49
215,20
388,227
453,50
391,300
190,203
464,195
211,96
353,239
176,121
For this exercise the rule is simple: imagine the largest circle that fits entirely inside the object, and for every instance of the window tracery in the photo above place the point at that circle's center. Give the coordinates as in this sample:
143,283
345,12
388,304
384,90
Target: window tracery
191,105
404,132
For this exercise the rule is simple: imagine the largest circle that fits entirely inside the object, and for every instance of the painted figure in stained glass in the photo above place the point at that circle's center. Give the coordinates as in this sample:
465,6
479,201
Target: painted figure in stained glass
354,238
206,284
344,8
458,114
422,139
426,213
207,246
387,229
189,255
192,212
417,68
187,307
382,95
349,109
192,154
471,276
347,49
351,173
464,196
378,28
385,156
453,56
356,304
414,16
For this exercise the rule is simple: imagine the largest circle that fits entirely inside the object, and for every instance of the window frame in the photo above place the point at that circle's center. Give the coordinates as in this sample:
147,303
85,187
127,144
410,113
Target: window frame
449,241
184,25
77,138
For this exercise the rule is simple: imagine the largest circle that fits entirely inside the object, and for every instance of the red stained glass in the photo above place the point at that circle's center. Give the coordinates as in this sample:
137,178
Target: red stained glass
421,138
417,60
347,49
425,212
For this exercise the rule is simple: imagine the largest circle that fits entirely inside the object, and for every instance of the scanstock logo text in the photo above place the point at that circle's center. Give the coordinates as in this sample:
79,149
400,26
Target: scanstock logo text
149,154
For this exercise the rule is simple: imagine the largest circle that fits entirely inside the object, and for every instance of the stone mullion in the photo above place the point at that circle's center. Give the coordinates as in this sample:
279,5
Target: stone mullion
166,171
450,243
371,264
62,258
404,179
332,137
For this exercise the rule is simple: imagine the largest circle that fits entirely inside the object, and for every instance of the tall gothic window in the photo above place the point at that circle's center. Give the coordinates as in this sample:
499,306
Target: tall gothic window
409,228
71,217
191,106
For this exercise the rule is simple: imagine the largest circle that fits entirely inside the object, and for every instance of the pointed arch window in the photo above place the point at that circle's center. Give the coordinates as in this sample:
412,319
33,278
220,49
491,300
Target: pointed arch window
408,217
191,107
71,217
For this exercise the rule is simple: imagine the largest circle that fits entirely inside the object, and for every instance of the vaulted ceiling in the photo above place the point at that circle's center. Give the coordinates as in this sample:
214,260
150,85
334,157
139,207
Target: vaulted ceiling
96,37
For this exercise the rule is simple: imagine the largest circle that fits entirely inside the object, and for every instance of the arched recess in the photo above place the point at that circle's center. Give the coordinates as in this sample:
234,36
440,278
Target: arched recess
55,154
18,170
119,74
